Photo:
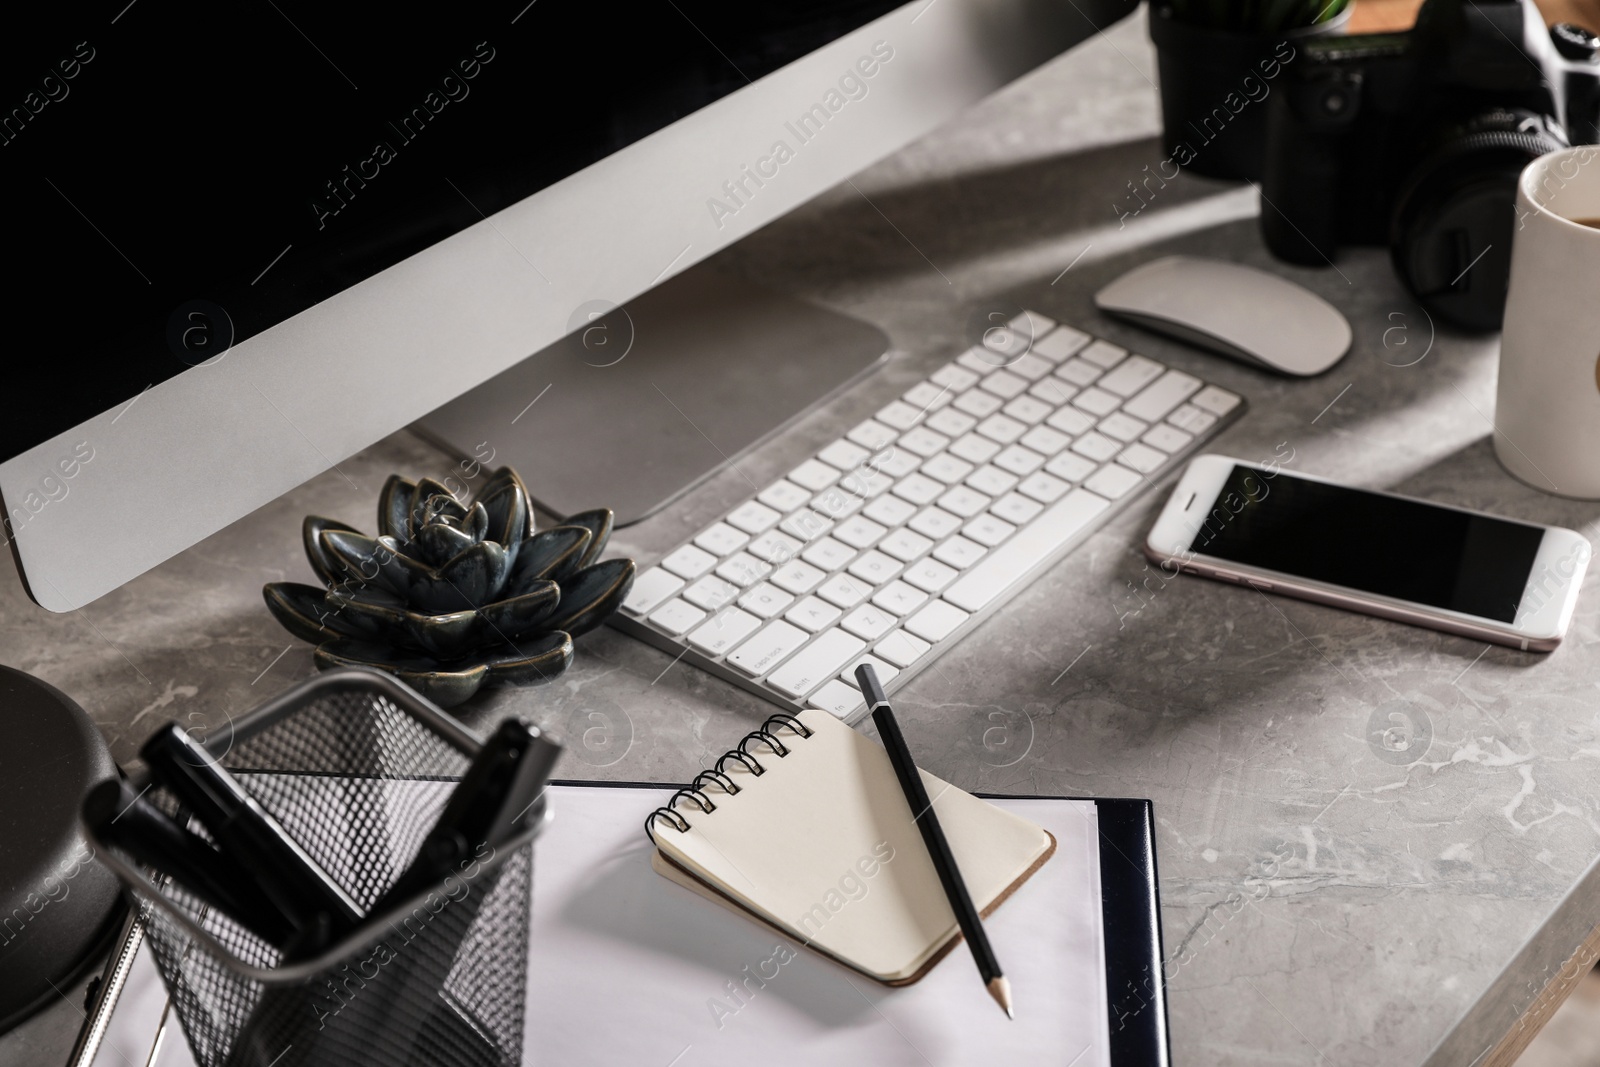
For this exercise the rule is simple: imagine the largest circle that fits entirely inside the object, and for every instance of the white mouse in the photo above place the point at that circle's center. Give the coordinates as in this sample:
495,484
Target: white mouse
1248,314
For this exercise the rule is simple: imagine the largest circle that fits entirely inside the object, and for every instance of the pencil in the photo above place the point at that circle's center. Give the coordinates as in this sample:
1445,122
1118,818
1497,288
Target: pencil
955,888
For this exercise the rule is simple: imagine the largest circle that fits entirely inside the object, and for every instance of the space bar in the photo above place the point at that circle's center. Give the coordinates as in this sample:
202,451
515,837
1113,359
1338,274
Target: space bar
1025,551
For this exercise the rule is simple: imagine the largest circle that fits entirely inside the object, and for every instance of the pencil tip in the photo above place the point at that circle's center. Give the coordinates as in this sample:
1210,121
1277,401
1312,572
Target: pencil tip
1000,990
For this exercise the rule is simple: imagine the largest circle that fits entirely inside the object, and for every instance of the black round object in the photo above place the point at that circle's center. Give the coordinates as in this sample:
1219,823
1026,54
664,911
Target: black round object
1574,42
1450,234
58,905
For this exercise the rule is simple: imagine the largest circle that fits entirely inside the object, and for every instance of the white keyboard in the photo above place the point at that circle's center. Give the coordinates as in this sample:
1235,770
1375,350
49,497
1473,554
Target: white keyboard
898,538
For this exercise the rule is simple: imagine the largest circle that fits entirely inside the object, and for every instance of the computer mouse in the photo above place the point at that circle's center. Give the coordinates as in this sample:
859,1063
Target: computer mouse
1248,314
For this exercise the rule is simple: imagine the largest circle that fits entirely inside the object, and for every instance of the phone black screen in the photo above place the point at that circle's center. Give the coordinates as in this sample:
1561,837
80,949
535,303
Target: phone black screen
1398,548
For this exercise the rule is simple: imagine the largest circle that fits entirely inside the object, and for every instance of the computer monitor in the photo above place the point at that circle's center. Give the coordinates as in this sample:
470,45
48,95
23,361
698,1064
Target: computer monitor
247,241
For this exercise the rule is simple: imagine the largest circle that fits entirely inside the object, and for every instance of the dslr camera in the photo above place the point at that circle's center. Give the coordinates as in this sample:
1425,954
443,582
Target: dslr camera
1416,139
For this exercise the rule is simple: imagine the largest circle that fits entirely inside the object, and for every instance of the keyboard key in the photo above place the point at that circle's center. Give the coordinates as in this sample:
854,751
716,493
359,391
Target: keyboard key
918,488
768,648
836,698
974,449
1162,395
1060,343
1031,367
1044,440
753,517
923,441
980,359
774,547
720,539
1071,467
1002,428
1191,418
844,591
991,480
1141,458
1079,372
869,622
1027,410
742,569
957,377
1019,460
828,554
1095,447
875,567
889,510
928,396
899,415
859,532
947,468
1032,324
1004,384
650,589
899,598
812,613
687,561
844,455
836,503
863,483
1216,401
797,577
711,593
950,422
813,475
1167,438
1134,374
1036,543
929,575
817,662
904,545
959,553
1070,421
1122,426
872,435
988,530
979,403
937,621
1052,391
1016,508
964,501
806,525
896,462
724,630
1112,481
1094,401
901,648
885,671
765,600
935,523
1045,488
1103,354
676,616
1008,342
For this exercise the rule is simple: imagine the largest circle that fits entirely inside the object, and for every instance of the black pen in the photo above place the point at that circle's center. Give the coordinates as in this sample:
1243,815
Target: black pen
944,862
126,820
243,830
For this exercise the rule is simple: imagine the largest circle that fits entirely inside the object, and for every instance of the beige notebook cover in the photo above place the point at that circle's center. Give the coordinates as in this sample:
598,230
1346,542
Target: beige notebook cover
822,846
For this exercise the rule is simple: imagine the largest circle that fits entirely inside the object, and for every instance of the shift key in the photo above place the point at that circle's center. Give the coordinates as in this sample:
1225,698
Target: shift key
768,648
1162,395
821,660
1036,543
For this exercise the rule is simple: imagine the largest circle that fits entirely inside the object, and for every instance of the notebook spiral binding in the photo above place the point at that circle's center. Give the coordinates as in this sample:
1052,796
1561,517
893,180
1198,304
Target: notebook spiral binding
766,735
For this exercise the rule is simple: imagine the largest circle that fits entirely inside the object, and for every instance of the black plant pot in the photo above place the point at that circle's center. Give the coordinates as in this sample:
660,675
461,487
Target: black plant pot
1215,85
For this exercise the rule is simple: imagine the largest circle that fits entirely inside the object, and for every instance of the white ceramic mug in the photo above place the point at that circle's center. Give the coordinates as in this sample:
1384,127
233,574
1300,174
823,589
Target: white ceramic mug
1547,415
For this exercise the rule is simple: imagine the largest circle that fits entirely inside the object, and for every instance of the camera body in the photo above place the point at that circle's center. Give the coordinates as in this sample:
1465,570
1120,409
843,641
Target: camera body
1416,139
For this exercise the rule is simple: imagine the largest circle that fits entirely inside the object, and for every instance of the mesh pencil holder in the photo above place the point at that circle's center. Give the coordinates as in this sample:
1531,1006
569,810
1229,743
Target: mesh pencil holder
357,767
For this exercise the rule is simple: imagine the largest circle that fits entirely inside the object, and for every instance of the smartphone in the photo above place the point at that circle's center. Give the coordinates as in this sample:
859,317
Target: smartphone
1464,572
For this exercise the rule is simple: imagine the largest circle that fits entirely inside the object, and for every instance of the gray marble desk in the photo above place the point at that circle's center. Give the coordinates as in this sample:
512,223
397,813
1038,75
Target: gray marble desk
1326,901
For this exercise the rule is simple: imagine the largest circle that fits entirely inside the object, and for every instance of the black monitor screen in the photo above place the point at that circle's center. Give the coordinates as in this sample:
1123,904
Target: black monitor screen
262,156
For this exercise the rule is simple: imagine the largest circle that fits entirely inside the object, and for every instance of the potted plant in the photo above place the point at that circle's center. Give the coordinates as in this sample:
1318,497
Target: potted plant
1218,62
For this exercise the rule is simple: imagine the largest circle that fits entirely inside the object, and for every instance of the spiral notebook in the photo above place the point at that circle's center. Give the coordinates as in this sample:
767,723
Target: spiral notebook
805,827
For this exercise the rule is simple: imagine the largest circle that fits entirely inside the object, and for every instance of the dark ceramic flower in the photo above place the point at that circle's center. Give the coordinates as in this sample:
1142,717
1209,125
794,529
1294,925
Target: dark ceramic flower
450,597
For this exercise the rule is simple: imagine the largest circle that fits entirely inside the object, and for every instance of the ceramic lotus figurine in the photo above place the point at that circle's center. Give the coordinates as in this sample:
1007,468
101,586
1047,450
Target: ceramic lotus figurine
450,597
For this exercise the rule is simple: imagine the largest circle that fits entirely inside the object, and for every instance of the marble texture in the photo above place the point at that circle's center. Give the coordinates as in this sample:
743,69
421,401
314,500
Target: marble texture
1325,899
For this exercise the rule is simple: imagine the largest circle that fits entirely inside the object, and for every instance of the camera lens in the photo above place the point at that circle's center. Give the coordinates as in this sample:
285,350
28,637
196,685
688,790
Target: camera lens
1451,231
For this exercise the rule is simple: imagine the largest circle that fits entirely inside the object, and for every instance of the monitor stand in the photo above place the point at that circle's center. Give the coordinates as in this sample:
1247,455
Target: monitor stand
647,401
